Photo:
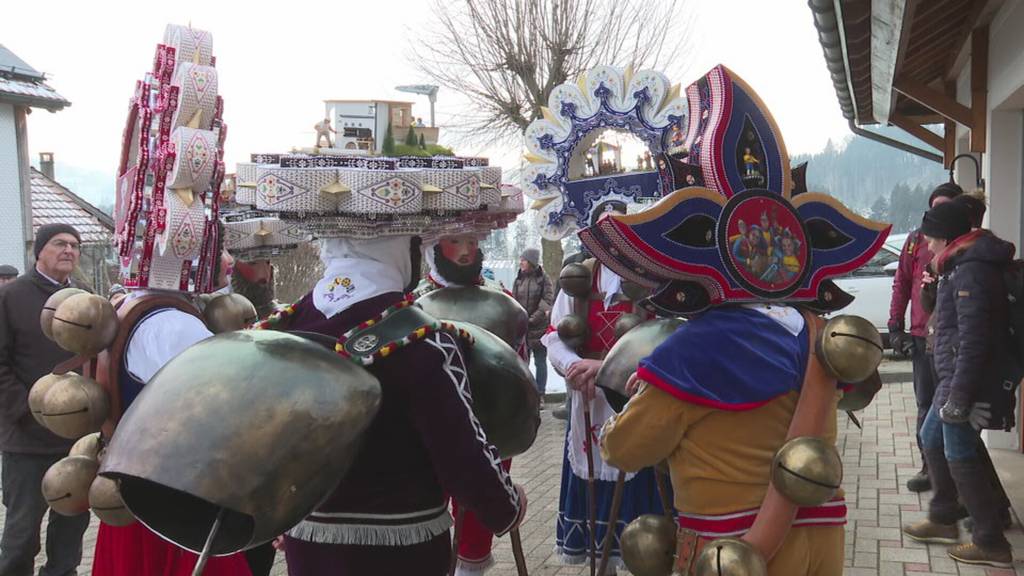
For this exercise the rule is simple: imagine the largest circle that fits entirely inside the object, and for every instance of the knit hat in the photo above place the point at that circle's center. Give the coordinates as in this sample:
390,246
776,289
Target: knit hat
946,190
48,231
7,271
975,207
531,255
946,221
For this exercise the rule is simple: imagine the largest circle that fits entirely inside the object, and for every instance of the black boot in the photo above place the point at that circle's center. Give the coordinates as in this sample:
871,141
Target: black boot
920,482
975,487
944,507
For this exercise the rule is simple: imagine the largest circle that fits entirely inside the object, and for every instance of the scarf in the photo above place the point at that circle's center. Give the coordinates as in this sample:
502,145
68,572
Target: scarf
356,270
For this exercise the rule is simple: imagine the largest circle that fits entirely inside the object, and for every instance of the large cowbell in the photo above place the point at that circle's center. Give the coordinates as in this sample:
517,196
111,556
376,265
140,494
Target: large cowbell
494,311
261,425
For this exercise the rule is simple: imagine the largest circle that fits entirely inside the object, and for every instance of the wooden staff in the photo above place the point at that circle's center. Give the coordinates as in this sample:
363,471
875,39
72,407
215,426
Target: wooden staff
613,520
517,551
460,519
205,555
666,504
591,493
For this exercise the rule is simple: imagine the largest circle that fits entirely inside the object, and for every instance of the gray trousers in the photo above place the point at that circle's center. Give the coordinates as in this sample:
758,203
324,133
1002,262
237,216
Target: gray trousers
23,498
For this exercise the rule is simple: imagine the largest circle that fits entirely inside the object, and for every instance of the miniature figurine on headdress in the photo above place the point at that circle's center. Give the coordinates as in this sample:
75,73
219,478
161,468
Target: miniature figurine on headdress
741,399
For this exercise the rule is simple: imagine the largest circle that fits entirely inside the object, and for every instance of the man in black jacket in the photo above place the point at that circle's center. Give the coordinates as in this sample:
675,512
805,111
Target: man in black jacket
29,449
970,341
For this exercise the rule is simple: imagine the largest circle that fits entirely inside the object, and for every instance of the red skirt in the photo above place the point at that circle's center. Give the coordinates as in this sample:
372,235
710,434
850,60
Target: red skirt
134,550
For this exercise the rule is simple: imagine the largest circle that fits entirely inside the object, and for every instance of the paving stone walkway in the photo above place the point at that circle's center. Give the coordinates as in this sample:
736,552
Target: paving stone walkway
878,461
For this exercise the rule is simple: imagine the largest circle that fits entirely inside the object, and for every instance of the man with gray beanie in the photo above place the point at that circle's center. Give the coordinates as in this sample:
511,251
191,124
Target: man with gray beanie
533,290
28,448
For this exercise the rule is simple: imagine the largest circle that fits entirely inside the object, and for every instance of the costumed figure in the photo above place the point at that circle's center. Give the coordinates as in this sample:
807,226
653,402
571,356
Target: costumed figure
455,289
170,248
436,434
592,309
323,132
741,399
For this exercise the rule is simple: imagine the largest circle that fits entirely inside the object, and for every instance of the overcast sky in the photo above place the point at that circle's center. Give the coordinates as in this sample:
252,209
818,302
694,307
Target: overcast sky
278,61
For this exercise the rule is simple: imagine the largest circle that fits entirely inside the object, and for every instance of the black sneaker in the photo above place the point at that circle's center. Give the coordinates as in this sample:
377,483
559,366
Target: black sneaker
919,482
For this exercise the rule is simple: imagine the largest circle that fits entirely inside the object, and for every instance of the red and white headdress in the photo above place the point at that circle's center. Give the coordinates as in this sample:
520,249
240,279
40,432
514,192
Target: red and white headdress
171,169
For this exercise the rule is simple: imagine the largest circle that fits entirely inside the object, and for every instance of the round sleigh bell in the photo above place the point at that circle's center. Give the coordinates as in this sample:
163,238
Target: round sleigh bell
272,420
730,557
229,312
649,545
75,406
575,280
37,394
106,503
88,446
66,484
573,331
55,300
807,471
494,311
850,348
84,324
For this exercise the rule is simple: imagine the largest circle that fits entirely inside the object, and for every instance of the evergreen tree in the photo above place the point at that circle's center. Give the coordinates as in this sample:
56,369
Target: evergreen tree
423,143
388,148
410,137
880,209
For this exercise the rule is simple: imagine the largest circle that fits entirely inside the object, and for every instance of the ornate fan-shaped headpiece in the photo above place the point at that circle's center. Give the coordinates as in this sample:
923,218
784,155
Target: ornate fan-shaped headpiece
733,231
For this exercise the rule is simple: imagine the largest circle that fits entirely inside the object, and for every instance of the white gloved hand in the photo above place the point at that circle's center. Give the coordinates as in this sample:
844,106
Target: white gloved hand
981,415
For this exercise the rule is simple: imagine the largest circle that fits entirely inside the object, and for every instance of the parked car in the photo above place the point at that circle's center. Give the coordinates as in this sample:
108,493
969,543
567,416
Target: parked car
871,286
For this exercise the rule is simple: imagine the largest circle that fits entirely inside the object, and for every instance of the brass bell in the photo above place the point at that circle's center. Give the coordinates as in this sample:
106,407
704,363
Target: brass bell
860,395
850,348
37,394
574,280
85,324
66,484
88,446
106,503
649,545
229,312
807,471
58,297
573,331
75,406
730,557
635,292
625,323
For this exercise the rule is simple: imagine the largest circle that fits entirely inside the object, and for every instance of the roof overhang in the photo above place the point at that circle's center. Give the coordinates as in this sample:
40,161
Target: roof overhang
896,62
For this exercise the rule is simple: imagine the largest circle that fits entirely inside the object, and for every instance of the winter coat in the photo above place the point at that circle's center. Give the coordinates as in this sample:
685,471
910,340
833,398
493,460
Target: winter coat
534,292
914,260
971,325
26,355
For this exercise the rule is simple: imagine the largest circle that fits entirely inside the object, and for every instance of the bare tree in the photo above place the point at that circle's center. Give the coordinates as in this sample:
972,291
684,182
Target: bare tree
506,56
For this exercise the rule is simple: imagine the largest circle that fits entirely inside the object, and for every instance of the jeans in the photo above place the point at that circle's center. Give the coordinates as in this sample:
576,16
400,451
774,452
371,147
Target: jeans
924,382
959,442
540,362
22,477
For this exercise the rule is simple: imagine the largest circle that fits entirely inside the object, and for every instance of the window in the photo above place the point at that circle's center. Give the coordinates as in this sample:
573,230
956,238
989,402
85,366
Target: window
358,133
876,266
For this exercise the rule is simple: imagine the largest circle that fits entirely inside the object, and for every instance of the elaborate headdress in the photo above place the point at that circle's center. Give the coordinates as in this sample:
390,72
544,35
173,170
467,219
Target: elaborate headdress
251,234
736,229
171,168
331,195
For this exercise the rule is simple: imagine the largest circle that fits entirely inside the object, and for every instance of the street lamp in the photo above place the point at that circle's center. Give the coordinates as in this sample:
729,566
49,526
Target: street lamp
428,90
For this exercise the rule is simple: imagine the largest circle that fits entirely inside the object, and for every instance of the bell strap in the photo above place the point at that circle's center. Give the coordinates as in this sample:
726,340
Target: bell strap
777,513
394,328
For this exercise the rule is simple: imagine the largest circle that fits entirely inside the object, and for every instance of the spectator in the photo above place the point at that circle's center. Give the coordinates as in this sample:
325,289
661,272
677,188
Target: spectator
7,274
533,290
28,448
905,289
970,343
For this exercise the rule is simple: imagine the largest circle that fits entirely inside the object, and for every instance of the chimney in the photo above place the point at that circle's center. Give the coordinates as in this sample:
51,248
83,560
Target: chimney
46,164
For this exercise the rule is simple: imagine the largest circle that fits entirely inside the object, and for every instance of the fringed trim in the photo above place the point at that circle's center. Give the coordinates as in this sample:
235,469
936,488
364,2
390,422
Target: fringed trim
569,559
370,535
474,567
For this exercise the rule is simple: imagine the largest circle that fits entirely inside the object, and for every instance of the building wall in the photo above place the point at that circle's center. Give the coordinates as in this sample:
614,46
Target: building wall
1003,167
12,231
